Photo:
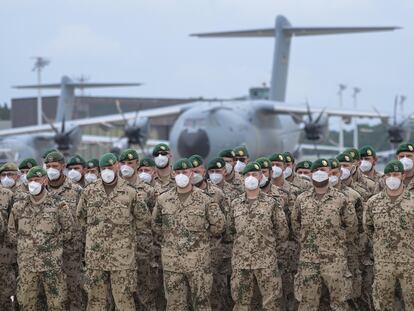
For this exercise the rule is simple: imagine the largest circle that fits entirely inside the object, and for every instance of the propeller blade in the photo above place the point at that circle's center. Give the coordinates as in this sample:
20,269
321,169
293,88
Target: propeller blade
136,118
320,115
50,123
383,121
395,110
296,118
118,107
309,112
63,124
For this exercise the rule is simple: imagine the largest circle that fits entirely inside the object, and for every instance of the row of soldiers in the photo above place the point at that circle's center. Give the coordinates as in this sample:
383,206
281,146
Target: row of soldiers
125,233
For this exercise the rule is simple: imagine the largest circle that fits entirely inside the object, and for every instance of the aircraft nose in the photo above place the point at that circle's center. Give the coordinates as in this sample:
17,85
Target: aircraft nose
194,142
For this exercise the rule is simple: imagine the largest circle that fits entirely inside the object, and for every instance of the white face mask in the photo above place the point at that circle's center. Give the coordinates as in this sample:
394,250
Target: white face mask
108,176
229,168
53,173
145,177
365,166
216,178
407,163
306,177
320,176
182,180
90,178
239,167
23,179
393,183
74,175
197,178
333,180
251,183
345,173
263,181
35,188
276,171
7,182
161,161
288,172
127,171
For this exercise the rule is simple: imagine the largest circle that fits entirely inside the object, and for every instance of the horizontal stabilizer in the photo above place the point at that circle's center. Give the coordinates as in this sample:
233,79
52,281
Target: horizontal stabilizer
43,86
292,31
75,85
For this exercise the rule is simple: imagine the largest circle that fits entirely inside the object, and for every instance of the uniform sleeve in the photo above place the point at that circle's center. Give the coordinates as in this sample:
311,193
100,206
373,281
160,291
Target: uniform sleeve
81,212
12,227
66,221
2,227
368,220
215,218
280,222
142,219
157,220
296,220
350,222
230,227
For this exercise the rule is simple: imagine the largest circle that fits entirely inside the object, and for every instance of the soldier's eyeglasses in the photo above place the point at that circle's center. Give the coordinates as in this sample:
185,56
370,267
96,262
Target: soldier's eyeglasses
241,159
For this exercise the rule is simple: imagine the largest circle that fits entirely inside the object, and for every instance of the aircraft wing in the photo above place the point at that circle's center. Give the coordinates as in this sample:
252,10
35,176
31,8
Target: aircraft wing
149,113
282,108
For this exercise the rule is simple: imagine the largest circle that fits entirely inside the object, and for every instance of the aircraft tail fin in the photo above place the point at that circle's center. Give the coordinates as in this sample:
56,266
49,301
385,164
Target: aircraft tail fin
283,33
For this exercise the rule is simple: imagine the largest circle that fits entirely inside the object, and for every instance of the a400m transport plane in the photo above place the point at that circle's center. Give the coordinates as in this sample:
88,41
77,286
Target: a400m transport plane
264,126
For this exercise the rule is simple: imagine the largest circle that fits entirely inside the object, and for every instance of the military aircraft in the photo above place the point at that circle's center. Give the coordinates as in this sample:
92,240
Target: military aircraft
60,133
264,126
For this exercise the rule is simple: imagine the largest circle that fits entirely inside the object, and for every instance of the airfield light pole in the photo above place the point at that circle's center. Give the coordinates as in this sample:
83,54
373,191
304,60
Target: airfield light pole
342,88
357,90
40,63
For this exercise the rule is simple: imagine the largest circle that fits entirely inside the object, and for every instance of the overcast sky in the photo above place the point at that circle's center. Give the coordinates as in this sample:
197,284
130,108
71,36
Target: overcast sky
147,41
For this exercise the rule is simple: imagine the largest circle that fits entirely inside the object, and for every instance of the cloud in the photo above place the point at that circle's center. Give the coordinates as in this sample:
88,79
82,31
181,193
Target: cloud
80,40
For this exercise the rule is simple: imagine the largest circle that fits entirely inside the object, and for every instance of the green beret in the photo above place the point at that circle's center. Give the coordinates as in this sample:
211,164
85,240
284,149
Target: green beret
394,166
404,147
195,160
9,167
344,157
216,163
264,163
227,153
36,171
367,151
241,151
27,164
277,157
303,164
182,164
92,163
147,162
289,157
76,160
54,156
128,155
44,155
319,163
333,163
354,153
160,148
108,159
252,167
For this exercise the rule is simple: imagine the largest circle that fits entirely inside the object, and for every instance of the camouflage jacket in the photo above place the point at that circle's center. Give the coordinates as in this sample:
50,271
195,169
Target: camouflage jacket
363,185
40,230
390,226
147,192
237,182
300,183
410,186
184,224
70,193
323,226
163,184
378,180
114,223
20,193
7,251
258,228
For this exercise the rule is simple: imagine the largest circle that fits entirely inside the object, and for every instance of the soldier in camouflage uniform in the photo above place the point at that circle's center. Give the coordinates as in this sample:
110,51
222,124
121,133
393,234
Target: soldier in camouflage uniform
9,176
323,221
389,223
354,250
7,254
231,177
146,293
258,226
302,170
405,153
40,225
24,167
70,192
162,158
146,171
184,219
115,217
92,172
220,295
241,159
368,161
291,176
76,170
